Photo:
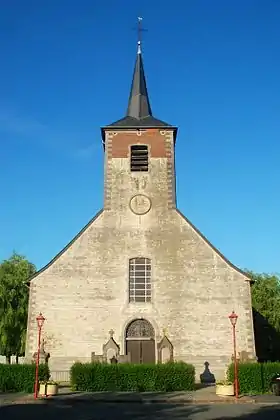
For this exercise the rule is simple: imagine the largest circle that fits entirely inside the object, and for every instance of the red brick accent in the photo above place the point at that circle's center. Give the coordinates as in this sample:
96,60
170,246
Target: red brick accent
122,141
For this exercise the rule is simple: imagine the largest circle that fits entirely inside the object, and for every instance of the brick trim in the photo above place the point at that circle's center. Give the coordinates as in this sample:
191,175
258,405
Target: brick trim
169,147
108,170
250,325
30,337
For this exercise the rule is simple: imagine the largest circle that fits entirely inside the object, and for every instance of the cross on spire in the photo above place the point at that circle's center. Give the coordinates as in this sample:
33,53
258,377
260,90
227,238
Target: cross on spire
139,113
140,30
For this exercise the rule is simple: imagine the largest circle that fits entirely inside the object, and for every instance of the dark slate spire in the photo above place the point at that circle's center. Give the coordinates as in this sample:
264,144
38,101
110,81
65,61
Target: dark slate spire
139,105
139,112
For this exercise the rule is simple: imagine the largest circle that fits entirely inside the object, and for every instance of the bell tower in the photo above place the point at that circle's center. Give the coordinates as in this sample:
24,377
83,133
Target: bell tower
139,155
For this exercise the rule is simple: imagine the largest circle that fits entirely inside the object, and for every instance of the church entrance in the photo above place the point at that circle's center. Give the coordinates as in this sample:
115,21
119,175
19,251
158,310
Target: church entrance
140,341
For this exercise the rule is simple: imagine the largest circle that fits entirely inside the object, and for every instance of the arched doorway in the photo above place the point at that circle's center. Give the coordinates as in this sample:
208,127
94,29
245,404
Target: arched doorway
140,341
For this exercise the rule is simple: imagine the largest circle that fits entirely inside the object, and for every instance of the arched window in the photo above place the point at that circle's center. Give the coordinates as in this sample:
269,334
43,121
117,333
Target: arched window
140,328
140,280
139,158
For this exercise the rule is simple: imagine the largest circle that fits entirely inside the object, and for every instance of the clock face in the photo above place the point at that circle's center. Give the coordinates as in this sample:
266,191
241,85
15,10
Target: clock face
140,204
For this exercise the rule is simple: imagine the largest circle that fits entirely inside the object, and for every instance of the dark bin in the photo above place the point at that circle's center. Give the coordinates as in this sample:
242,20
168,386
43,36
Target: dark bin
275,384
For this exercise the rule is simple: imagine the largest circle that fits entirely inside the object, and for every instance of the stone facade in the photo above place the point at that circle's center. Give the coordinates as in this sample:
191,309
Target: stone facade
83,292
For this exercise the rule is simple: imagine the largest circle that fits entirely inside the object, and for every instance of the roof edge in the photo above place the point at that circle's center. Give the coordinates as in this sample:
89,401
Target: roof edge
139,127
66,246
248,278
133,127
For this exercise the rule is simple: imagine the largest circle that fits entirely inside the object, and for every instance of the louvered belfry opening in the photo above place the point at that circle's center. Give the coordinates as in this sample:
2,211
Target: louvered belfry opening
139,158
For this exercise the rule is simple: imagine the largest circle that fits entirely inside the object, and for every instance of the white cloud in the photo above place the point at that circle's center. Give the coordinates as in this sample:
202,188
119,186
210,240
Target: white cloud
26,128
22,125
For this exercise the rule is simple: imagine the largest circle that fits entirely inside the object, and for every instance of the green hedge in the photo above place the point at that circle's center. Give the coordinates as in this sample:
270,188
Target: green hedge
21,378
92,377
254,378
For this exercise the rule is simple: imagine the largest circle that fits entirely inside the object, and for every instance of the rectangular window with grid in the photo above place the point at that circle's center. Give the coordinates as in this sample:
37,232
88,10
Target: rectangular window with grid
139,158
140,280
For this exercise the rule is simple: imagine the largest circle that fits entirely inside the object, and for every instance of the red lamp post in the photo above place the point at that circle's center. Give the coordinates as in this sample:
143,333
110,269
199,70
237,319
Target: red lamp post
233,319
40,322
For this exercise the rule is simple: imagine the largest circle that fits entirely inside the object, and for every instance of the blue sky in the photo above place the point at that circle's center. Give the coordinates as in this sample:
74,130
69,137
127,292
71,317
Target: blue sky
212,69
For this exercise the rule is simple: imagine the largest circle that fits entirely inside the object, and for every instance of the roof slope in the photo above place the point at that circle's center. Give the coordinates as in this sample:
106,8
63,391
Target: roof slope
101,211
67,246
213,247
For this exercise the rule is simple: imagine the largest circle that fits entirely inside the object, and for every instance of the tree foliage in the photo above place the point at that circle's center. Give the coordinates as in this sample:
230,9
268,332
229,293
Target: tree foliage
266,297
14,291
266,315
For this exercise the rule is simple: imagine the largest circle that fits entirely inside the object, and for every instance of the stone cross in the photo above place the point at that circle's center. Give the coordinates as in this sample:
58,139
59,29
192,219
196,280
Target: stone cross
111,332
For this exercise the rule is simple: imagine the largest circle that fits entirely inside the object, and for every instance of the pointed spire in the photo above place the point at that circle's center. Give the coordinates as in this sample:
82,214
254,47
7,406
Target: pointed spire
139,112
138,104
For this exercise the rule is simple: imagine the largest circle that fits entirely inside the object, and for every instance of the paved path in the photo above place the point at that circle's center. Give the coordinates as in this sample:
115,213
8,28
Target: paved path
57,409
202,404
205,395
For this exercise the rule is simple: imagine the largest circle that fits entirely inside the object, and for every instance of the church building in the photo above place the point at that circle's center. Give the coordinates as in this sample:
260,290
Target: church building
139,283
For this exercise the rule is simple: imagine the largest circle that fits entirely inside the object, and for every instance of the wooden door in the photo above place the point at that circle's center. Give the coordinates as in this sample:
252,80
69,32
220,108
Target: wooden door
148,351
133,347
141,351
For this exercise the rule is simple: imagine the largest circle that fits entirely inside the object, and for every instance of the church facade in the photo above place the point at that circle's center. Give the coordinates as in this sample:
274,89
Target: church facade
140,283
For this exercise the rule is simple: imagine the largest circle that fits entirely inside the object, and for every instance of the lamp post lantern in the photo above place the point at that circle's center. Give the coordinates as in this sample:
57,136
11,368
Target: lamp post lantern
233,319
40,322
